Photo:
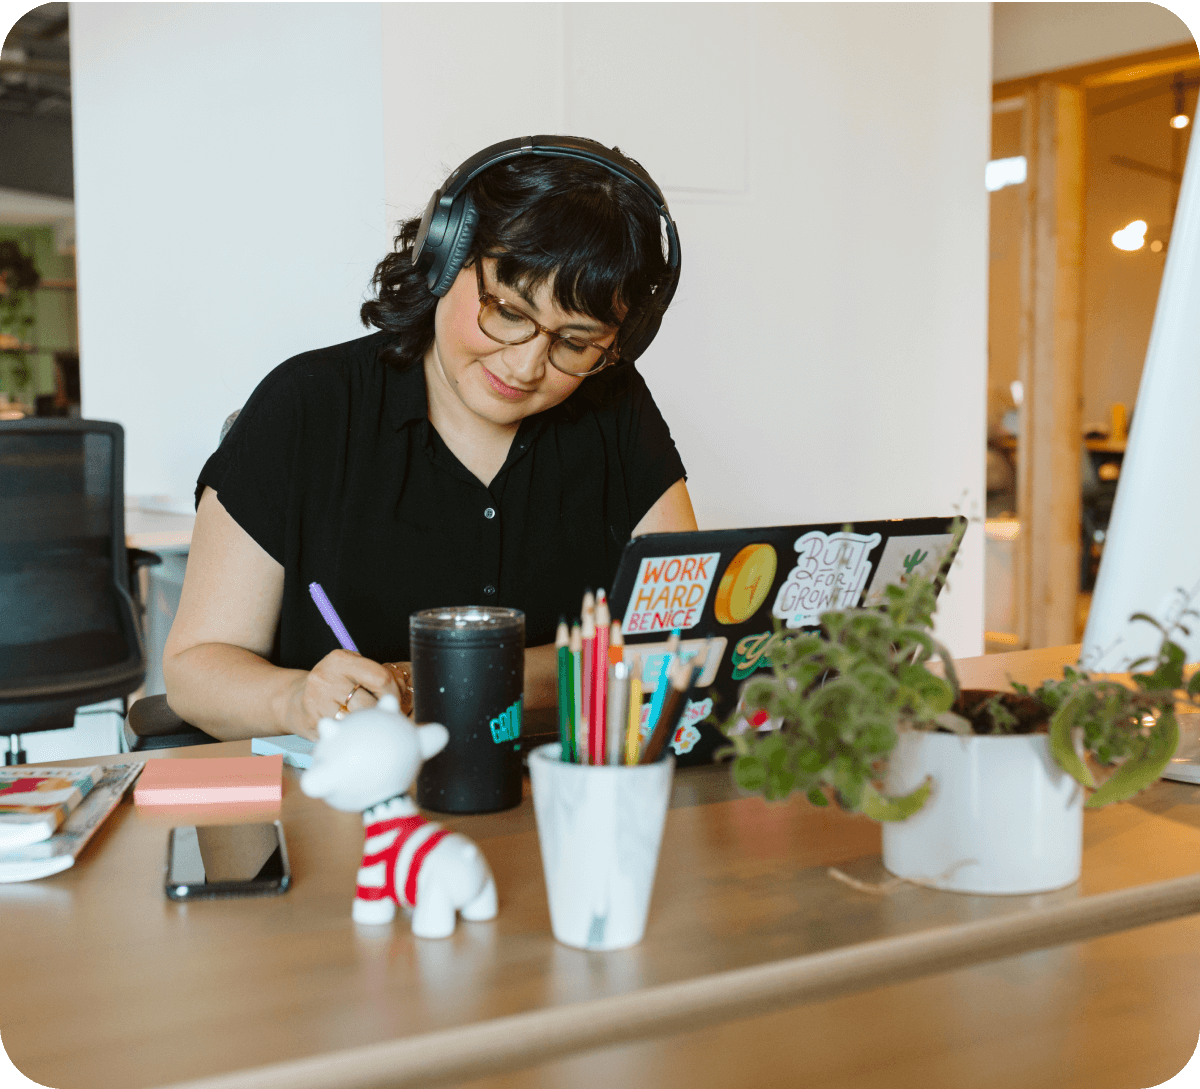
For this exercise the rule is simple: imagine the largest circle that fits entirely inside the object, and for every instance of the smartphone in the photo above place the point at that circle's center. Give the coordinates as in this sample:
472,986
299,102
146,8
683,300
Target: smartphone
212,862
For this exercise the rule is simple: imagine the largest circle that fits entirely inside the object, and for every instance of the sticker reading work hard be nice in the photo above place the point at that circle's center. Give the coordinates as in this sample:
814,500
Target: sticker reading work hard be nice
669,592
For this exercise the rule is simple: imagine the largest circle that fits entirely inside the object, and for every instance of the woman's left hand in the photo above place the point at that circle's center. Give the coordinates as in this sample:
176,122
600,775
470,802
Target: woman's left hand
402,671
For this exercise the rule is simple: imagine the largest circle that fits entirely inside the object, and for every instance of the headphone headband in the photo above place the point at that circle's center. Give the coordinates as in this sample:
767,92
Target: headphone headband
448,224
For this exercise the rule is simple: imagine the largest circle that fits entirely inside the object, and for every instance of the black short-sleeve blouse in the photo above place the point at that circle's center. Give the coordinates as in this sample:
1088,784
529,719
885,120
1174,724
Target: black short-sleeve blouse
335,470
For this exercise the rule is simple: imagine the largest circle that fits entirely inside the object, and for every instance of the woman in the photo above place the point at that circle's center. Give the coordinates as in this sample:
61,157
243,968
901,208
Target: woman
490,444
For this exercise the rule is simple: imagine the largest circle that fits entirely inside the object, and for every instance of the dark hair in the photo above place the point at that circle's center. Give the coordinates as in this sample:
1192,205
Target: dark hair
596,233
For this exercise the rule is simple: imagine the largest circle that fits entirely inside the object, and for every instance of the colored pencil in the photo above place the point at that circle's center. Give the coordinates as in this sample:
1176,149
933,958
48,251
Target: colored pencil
616,644
579,739
683,675
661,685
562,640
588,632
618,711
331,617
633,729
599,719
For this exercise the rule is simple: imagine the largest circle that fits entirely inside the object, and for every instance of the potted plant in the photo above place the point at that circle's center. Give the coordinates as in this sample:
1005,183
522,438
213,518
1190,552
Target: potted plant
18,278
977,791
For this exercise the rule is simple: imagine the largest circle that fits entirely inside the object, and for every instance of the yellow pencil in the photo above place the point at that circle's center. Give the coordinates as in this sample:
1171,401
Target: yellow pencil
633,735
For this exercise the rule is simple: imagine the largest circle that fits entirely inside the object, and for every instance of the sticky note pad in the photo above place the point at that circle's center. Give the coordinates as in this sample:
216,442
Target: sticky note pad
203,781
296,751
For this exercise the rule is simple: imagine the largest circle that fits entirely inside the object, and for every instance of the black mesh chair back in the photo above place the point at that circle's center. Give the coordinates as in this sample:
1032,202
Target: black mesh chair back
68,634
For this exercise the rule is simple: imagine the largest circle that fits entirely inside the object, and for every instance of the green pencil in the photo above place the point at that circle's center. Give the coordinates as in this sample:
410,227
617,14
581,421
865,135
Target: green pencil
562,638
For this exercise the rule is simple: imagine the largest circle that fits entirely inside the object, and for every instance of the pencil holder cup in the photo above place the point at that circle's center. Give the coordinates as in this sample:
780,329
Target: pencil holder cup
599,828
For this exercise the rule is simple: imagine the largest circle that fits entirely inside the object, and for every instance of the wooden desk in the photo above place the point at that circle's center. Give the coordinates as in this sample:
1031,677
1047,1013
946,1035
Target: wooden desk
158,531
120,987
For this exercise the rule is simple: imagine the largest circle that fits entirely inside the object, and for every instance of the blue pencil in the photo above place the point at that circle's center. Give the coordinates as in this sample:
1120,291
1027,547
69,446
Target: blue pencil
662,684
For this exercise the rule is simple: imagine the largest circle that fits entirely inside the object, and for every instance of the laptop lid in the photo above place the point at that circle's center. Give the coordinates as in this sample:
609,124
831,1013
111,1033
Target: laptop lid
736,586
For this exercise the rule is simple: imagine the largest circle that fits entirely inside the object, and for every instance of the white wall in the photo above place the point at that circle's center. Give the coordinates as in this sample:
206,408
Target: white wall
824,359
229,194
1042,37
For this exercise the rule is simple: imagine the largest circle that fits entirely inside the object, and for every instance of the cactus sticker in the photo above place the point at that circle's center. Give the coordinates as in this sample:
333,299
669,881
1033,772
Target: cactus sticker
506,726
904,557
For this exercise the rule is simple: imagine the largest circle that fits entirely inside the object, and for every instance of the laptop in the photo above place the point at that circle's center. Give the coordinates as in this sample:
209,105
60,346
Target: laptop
738,586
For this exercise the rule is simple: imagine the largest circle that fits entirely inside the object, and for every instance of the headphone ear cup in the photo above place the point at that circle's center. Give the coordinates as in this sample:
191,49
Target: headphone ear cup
450,255
640,339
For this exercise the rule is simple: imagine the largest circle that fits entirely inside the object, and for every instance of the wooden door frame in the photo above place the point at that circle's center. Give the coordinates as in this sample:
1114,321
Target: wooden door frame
1050,364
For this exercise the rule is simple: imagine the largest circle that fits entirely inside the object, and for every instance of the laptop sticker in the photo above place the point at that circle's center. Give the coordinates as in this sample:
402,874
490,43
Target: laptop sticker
830,572
669,592
686,734
904,557
745,584
753,652
654,658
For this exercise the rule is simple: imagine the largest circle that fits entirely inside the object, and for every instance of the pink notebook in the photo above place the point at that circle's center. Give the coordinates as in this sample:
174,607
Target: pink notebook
202,781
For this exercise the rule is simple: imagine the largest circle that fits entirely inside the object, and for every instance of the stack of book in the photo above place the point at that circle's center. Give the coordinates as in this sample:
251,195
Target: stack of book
48,814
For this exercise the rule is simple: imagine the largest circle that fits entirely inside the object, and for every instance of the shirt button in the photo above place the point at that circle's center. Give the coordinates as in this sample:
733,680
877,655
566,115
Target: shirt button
489,513
489,590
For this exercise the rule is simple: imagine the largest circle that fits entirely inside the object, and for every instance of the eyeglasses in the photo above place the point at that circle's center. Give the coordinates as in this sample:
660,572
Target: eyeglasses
508,324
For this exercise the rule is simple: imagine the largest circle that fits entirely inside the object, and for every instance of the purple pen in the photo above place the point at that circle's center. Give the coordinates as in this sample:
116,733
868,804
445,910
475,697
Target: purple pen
331,617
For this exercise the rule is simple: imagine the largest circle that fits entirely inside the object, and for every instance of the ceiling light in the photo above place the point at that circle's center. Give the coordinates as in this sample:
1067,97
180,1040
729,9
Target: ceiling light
1131,237
1180,121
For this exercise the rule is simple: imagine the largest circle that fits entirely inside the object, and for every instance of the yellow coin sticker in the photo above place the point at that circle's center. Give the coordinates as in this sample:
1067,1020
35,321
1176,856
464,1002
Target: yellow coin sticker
745,584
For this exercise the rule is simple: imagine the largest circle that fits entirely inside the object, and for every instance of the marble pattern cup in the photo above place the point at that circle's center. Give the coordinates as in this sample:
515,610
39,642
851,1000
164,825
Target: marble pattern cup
599,828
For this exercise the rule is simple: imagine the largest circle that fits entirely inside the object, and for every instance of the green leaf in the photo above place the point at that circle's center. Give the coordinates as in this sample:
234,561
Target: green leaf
779,785
811,761
1062,746
1193,688
1169,674
750,773
817,797
1137,773
879,807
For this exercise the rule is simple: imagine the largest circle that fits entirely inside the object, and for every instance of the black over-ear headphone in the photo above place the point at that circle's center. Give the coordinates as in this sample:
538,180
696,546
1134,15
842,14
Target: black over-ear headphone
448,225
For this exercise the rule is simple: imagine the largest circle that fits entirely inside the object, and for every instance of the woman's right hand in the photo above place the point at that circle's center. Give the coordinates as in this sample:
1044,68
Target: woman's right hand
340,682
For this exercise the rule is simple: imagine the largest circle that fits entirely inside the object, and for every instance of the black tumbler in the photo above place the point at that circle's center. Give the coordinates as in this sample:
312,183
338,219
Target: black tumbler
468,673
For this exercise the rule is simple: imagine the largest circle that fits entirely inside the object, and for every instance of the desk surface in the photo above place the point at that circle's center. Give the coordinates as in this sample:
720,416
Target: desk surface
158,530
121,987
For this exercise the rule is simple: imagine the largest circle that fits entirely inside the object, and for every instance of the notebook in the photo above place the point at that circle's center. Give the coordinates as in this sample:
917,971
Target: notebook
737,586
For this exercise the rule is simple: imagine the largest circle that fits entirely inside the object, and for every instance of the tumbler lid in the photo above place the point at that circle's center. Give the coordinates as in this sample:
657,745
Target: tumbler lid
463,623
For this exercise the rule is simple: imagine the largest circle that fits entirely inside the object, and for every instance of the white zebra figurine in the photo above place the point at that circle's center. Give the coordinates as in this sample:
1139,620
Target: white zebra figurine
368,761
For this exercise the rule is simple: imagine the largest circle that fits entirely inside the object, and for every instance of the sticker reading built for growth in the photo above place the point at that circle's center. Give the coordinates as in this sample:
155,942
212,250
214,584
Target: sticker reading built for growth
830,572
669,592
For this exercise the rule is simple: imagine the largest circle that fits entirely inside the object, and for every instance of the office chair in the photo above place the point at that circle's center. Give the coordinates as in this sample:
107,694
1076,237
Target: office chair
69,635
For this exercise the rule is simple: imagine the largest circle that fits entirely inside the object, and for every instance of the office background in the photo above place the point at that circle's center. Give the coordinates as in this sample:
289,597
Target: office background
239,170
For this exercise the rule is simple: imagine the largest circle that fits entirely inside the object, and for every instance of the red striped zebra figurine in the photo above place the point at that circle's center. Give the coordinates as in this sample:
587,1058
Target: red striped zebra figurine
368,761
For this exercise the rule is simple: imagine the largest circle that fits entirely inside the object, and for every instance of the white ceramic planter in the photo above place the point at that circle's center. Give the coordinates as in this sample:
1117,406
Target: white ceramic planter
1003,817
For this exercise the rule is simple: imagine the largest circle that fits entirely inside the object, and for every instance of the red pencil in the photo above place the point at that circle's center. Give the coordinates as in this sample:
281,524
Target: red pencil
588,631
600,681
